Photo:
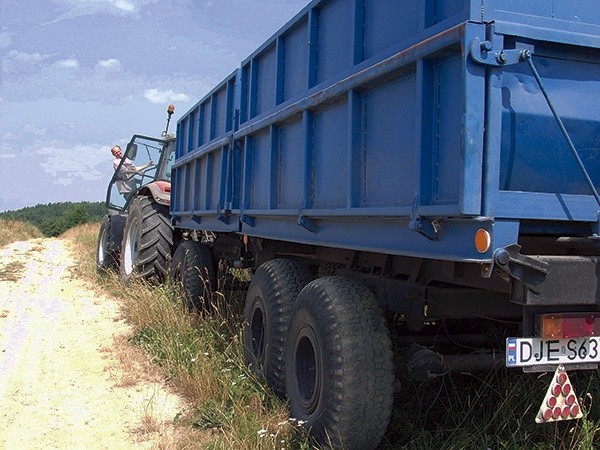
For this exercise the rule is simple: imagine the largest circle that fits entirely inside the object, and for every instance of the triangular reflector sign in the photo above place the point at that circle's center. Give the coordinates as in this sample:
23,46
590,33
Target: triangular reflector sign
560,402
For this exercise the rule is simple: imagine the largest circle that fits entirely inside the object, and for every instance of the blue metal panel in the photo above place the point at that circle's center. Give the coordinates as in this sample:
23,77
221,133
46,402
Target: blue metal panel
221,111
448,128
206,115
389,147
329,171
295,75
260,171
266,80
335,41
291,160
387,23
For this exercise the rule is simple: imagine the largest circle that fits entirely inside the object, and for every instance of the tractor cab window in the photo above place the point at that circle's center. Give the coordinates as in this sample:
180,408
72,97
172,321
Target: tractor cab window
137,168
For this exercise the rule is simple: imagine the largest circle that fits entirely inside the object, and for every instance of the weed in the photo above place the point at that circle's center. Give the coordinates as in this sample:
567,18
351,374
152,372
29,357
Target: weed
15,230
202,357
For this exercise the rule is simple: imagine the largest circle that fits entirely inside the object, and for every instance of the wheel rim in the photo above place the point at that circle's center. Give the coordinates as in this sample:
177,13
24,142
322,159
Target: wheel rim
307,364
257,331
131,245
102,249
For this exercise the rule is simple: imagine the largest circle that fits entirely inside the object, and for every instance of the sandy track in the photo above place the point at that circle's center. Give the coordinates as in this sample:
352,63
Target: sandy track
58,386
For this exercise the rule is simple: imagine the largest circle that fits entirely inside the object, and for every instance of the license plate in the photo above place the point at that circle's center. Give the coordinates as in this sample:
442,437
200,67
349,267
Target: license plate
521,352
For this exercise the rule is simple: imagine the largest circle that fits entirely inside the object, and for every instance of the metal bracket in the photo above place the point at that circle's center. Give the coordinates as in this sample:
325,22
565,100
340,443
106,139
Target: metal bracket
425,227
526,269
223,214
596,227
307,223
482,53
250,221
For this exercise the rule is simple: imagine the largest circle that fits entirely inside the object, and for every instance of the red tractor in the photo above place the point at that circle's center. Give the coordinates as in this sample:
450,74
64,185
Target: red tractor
136,235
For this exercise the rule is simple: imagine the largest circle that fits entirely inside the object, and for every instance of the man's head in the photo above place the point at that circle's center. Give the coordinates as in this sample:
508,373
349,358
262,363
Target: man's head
116,151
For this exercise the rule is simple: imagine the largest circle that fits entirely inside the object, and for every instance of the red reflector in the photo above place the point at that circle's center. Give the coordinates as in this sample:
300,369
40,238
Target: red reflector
569,325
566,412
556,390
566,389
557,412
574,410
552,402
561,377
570,400
548,414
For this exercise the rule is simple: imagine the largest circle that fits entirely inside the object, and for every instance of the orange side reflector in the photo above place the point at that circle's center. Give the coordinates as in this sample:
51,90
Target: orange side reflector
483,240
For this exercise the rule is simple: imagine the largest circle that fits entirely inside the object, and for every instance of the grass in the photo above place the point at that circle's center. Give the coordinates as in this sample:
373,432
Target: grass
202,357
15,230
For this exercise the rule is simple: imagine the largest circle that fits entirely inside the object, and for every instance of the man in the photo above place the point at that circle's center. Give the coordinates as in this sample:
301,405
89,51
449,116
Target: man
125,185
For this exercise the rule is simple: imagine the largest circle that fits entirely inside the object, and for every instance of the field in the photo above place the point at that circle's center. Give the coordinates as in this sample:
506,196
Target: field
202,357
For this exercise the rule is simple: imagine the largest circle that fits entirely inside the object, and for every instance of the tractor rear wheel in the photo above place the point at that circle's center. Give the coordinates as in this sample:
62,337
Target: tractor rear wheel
147,242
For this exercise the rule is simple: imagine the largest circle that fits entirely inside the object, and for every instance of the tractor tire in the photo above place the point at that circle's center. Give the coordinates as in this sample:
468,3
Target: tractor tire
193,272
339,364
273,290
147,242
107,249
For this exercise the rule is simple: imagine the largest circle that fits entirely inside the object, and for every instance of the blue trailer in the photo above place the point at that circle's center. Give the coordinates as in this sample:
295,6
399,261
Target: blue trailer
401,175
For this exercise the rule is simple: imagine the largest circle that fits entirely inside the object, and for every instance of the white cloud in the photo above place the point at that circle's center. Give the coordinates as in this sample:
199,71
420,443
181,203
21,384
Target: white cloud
69,63
125,5
8,156
110,65
157,96
20,63
5,39
26,57
10,136
78,8
34,129
78,161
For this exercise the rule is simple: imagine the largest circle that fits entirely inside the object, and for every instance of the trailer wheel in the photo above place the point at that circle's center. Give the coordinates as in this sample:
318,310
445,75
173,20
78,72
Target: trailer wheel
107,254
339,364
193,271
273,289
147,242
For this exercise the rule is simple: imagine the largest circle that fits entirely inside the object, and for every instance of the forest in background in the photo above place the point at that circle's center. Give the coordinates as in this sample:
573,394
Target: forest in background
54,219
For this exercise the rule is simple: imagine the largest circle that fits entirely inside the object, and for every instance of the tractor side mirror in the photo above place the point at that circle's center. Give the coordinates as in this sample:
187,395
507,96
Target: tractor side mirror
131,152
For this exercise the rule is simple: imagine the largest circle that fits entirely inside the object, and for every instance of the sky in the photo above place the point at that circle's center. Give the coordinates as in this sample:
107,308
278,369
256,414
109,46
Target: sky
78,76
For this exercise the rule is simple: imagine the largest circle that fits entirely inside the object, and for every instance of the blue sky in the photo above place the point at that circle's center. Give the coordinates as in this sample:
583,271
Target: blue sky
78,76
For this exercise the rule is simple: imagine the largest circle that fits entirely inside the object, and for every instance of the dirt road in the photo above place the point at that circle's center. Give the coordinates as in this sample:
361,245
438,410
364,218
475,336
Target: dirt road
60,383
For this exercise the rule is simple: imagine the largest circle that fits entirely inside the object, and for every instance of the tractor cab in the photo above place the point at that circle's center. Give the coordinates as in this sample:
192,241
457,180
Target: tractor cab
145,166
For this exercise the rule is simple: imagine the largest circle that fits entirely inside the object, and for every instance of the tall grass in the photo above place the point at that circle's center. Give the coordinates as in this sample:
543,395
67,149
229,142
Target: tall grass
202,357
16,230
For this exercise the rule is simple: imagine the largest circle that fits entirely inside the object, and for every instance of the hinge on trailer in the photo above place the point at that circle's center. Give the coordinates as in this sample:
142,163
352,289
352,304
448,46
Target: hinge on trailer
425,227
223,214
306,223
482,53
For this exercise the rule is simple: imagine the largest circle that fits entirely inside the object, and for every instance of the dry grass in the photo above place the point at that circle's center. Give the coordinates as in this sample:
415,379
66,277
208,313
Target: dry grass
12,271
201,357
15,230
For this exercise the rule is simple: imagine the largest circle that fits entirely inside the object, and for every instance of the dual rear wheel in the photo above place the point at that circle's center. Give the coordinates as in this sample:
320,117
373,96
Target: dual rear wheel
325,344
